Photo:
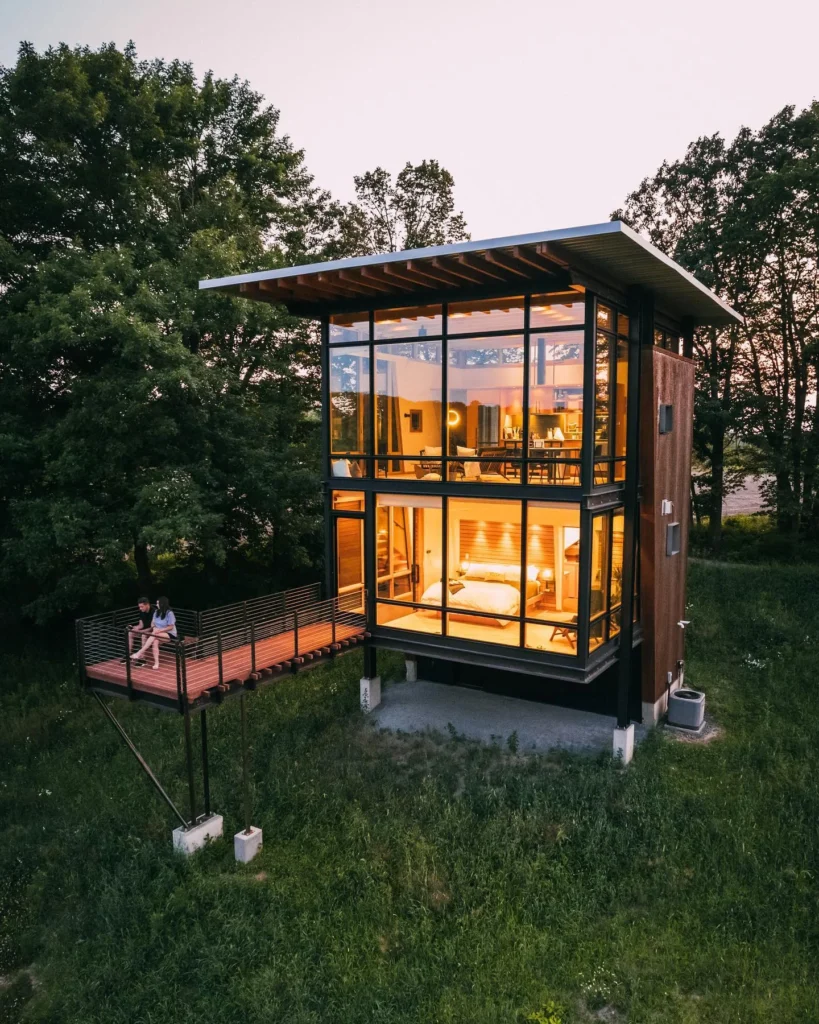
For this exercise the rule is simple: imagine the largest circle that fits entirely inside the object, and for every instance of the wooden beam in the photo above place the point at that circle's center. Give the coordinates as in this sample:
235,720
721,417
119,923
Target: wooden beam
481,268
365,286
410,274
341,287
371,273
534,259
458,270
434,273
507,263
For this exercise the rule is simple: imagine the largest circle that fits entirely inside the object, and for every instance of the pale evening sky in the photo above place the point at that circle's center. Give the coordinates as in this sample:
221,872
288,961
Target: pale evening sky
546,113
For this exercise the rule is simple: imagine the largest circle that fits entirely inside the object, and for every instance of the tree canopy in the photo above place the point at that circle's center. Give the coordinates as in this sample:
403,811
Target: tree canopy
744,217
137,414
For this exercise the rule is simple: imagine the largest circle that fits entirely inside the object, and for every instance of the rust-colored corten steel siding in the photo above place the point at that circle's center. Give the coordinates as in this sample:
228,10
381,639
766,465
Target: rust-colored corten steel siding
665,472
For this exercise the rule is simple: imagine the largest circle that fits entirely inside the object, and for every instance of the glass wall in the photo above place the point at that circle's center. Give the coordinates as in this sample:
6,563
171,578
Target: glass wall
349,413
485,408
513,411
497,583
606,593
409,562
555,406
611,355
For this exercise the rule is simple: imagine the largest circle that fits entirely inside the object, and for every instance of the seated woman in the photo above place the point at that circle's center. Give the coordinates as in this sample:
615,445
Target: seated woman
163,628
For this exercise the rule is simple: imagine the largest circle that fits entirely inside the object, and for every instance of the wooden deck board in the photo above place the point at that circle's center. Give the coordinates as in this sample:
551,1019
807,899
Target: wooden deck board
203,673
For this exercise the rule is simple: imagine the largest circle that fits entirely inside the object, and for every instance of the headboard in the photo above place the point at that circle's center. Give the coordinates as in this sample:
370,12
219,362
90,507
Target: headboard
483,541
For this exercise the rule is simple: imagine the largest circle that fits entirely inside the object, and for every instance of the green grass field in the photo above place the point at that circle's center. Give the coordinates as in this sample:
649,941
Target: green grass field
426,880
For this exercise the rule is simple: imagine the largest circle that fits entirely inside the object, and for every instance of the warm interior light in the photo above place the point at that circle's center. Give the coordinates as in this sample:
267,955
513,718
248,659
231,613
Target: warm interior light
546,575
453,418
464,566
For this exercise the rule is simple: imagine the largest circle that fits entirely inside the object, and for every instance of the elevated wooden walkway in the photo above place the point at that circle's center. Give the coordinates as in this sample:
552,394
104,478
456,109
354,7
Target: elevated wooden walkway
236,647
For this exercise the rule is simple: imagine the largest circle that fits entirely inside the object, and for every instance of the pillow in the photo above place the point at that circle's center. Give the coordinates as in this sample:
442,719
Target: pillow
355,469
472,470
455,586
431,476
341,467
431,451
464,452
493,575
512,574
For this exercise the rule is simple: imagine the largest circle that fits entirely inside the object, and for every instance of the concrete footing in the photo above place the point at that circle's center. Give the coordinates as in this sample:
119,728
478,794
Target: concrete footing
189,840
412,669
623,747
247,844
370,693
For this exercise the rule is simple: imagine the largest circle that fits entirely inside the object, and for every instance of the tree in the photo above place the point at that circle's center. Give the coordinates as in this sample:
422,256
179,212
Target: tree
416,210
135,411
742,217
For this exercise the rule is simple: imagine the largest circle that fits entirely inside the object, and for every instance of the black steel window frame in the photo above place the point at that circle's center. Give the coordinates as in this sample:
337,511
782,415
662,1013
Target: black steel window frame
446,609
606,613
615,338
528,467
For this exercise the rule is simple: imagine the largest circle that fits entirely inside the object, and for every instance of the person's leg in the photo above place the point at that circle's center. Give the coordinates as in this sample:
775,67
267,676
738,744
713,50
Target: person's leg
158,637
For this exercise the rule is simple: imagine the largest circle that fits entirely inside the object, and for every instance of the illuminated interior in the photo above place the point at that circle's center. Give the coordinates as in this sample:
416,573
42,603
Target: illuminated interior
490,584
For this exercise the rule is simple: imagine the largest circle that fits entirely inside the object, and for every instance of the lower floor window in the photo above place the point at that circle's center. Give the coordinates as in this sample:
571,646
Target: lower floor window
472,569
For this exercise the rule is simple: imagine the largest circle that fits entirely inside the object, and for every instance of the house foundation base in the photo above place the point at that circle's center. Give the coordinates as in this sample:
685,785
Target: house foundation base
654,713
247,844
412,669
623,746
189,840
370,693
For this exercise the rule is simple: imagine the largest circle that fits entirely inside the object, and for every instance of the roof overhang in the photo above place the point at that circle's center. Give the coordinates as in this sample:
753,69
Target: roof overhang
610,254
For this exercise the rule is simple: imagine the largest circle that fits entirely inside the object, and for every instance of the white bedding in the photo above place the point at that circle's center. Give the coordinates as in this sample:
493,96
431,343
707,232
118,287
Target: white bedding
479,596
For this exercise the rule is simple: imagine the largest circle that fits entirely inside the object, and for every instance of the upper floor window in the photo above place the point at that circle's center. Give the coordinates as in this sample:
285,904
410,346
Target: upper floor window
478,317
420,322
349,327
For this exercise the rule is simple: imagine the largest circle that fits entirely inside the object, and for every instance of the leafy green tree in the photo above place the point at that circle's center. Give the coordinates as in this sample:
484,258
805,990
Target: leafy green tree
742,216
135,411
415,210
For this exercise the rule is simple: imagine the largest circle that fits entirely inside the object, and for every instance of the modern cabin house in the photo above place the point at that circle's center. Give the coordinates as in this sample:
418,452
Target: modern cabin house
506,457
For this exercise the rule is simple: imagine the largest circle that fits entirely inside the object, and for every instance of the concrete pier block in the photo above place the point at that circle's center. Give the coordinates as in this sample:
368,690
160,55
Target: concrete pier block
189,840
247,844
623,748
370,693
412,669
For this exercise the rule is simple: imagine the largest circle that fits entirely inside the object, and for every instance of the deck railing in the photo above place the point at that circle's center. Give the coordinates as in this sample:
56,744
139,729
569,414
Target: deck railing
233,644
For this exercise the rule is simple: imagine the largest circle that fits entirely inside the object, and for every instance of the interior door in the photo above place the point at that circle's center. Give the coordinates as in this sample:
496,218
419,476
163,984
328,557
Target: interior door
349,545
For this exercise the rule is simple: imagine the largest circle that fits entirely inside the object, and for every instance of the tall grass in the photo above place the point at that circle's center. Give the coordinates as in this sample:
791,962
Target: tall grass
426,879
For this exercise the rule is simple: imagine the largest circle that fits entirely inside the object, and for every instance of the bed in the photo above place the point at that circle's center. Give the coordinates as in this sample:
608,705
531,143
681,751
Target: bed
491,590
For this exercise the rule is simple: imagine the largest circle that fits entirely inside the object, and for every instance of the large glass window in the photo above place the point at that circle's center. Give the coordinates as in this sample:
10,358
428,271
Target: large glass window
555,406
417,322
349,327
349,409
485,408
408,409
409,562
484,576
485,315
552,576
610,395
557,310
606,593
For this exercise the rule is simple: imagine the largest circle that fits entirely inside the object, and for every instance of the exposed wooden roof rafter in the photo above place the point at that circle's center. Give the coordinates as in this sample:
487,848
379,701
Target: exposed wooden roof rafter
435,274
480,266
508,263
458,270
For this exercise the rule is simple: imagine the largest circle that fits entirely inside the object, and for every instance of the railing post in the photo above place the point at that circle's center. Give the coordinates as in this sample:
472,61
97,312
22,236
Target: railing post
184,674
189,759
80,635
205,773
252,645
296,634
245,778
219,657
179,680
333,616
128,679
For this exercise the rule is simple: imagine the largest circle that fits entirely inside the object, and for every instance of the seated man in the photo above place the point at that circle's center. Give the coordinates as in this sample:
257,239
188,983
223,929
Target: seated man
143,624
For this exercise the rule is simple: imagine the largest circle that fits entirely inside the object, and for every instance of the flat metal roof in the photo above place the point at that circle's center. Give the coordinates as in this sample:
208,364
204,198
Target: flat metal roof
611,253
